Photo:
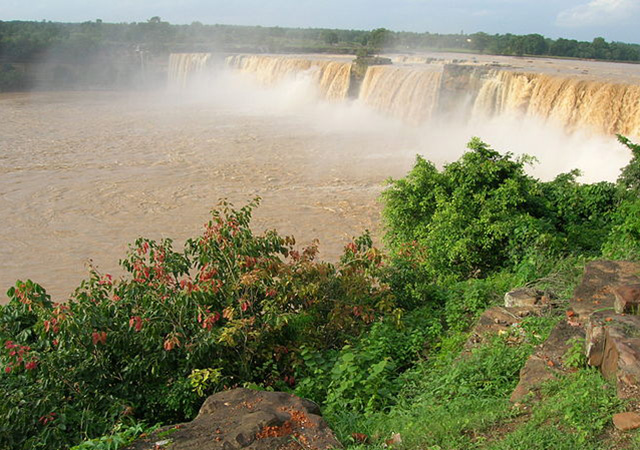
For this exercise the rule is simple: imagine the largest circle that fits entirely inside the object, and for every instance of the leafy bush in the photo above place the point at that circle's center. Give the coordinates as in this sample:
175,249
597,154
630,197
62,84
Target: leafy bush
629,180
119,438
231,304
623,242
469,219
483,213
364,377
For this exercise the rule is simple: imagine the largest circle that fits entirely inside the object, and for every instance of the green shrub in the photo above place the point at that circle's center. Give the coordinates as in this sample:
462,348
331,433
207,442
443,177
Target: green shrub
483,213
364,377
629,179
623,242
231,303
469,219
120,437
452,397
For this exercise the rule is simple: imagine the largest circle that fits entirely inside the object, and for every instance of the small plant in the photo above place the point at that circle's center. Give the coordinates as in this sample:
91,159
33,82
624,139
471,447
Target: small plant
203,380
575,357
121,437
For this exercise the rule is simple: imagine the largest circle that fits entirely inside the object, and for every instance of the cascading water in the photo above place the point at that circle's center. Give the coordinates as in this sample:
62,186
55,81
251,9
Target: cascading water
330,77
574,103
182,66
417,93
411,95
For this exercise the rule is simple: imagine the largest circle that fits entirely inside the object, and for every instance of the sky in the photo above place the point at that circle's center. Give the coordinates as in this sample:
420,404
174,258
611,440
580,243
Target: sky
615,20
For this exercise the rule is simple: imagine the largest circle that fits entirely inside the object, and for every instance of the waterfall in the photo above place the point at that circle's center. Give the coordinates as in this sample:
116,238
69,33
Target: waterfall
407,93
183,66
330,77
418,93
572,102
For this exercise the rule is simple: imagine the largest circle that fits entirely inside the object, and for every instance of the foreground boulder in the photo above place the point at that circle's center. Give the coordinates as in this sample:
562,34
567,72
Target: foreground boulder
247,419
626,421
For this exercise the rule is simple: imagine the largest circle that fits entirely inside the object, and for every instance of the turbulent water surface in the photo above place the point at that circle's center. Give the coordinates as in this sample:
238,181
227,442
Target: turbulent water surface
84,173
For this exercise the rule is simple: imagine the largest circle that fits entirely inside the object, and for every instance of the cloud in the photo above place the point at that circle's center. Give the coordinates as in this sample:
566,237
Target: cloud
598,12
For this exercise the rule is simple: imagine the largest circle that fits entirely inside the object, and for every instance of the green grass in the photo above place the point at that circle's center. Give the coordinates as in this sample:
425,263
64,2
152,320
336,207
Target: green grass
459,401
575,412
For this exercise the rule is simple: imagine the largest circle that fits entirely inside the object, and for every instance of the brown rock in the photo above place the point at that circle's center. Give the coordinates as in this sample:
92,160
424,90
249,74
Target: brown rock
532,375
595,289
613,345
523,297
247,419
627,298
626,421
495,320
546,362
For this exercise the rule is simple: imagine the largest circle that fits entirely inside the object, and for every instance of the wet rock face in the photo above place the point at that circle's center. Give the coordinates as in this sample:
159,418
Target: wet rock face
247,419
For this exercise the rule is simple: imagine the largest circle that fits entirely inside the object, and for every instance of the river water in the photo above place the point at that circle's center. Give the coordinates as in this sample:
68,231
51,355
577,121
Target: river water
83,174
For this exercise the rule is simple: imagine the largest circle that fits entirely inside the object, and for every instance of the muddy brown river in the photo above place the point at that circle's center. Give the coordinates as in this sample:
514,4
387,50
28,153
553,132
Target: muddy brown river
83,174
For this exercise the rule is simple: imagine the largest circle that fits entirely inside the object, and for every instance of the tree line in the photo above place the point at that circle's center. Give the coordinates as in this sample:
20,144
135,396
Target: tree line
22,41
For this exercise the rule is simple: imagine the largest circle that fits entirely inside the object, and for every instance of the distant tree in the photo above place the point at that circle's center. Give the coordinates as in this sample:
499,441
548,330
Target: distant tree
518,45
563,47
22,41
330,37
480,41
535,44
600,48
378,39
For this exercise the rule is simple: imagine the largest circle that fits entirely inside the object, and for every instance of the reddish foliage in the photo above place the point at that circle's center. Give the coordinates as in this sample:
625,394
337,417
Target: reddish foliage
19,355
286,429
360,438
99,337
48,418
136,323
297,421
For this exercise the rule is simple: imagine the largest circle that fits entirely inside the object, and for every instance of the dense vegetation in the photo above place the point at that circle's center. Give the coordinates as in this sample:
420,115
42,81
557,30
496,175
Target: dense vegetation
375,339
121,55
27,41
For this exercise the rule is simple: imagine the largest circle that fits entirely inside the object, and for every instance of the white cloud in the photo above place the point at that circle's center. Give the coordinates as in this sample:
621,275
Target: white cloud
598,12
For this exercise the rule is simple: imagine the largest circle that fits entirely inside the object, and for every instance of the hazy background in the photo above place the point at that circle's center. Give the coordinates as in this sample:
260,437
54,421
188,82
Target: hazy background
578,19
